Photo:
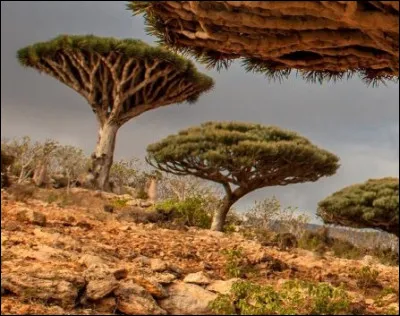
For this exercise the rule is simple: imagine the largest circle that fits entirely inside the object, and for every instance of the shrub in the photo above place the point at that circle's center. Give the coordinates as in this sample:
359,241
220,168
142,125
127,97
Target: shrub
386,256
367,277
119,203
345,249
142,194
269,213
315,241
294,298
234,266
22,192
190,211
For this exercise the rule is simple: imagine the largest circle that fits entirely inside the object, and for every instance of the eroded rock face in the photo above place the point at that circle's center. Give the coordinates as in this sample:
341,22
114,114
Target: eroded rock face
100,281
52,287
135,300
187,299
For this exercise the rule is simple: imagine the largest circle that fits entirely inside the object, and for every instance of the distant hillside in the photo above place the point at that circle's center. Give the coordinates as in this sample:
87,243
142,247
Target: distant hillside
366,238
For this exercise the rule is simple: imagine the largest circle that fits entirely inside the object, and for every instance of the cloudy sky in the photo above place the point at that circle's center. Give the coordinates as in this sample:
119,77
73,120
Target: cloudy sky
358,123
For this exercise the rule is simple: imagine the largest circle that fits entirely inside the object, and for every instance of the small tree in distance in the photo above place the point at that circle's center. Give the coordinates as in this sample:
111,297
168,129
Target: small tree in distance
372,204
242,157
120,79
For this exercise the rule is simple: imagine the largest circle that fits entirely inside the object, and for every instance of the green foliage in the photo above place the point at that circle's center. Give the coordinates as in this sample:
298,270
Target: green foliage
373,204
367,277
249,156
227,149
119,203
142,194
294,298
30,56
235,267
386,256
124,171
190,211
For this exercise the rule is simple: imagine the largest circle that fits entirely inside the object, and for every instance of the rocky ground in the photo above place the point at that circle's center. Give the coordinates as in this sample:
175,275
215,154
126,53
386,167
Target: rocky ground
84,260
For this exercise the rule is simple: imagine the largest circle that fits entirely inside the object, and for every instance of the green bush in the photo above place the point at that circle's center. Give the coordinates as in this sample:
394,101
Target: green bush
294,298
190,211
386,256
142,194
119,203
367,277
234,266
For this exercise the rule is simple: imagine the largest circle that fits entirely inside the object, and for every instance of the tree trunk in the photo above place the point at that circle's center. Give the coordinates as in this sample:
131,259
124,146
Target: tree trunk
152,190
220,214
103,156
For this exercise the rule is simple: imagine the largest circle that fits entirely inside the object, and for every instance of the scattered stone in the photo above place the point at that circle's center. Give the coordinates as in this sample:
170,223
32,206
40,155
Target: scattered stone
11,226
132,299
100,281
164,278
108,208
89,260
187,299
34,217
158,265
369,301
151,286
121,273
105,305
221,286
197,278
97,289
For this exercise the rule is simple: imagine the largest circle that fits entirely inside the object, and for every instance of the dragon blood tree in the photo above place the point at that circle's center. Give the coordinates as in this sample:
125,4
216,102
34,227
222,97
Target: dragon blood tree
320,39
372,204
241,157
120,79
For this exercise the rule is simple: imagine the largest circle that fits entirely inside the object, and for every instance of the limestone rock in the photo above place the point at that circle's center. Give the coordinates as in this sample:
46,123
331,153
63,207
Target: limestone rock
158,265
221,286
89,260
100,281
187,299
197,278
134,300
62,292
164,278
151,286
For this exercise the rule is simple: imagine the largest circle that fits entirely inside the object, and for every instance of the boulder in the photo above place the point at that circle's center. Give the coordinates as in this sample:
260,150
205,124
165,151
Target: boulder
60,291
132,299
187,299
100,281
197,278
221,286
151,286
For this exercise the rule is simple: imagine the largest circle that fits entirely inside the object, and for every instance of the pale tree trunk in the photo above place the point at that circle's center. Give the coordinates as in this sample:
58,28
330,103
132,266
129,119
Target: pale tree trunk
152,190
103,156
230,198
40,175
219,217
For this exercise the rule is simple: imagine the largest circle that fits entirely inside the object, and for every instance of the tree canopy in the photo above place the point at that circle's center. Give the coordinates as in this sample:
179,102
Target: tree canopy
322,40
120,78
242,155
372,204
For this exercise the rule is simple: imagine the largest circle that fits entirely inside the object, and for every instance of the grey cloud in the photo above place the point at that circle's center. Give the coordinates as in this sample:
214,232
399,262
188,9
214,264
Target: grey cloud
358,123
